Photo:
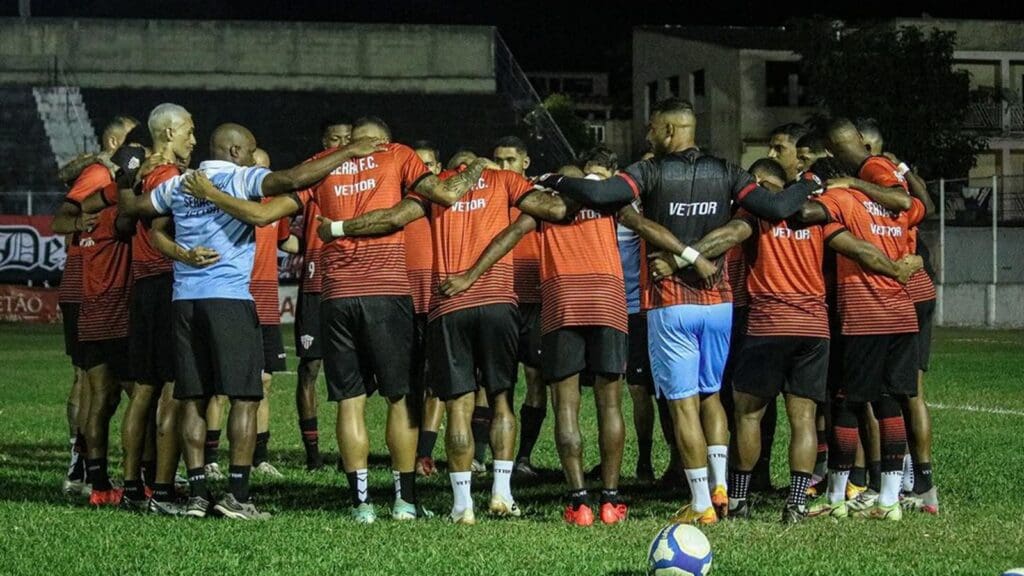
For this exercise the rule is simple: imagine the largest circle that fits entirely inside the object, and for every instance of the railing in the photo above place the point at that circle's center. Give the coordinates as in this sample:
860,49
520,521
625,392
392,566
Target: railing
549,145
30,203
995,116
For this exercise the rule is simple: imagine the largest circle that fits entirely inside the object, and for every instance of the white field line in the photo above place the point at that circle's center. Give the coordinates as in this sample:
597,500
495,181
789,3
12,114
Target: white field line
973,408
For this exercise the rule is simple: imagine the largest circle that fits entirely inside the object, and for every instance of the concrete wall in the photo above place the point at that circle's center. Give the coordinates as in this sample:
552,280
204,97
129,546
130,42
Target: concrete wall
969,254
249,55
758,119
967,305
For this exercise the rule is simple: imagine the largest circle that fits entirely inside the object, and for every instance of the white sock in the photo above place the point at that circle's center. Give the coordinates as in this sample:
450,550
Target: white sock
462,485
362,485
837,485
718,463
700,498
502,485
397,477
908,473
891,484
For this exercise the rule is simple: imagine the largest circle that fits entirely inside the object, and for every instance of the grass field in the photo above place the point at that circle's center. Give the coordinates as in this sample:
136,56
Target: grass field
976,384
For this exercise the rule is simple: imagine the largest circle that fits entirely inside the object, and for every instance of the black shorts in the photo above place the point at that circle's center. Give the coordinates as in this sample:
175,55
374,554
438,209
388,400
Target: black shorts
307,326
879,365
367,345
273,349
638,365
739,335
218,349
599,350
925,314
418,362
113,353
768,365
529,348
152,330
69,312
471,347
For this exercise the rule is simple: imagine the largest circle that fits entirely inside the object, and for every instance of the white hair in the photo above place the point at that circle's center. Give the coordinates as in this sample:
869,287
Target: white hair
164,116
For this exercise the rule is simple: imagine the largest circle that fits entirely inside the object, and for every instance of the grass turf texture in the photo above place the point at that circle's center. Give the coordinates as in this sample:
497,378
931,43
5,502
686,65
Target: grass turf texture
979,461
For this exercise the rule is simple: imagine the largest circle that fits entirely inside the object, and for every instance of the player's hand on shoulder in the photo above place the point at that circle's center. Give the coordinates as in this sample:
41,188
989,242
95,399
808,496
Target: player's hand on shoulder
366,146
839,183
455,284
198,185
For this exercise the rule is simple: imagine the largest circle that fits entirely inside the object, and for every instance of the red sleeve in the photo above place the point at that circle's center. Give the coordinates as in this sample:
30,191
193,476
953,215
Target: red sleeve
831,229
916,213
411,167
516,185
304,196
881,172
283,229
91,180
109,193
833,202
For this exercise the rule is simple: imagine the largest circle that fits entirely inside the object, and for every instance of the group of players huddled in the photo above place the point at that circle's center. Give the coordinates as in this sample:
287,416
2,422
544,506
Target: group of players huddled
709,287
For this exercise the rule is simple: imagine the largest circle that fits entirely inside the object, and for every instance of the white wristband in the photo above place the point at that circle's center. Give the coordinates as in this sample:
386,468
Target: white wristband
338,228
690,255
903,168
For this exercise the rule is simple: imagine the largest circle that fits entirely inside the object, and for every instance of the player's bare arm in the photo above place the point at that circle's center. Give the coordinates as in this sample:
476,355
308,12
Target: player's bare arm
70,219
446,192
290,245
893,198
712,245
502,244
373,223
917,186
252,212
544,205
73,169
161,236
871,258
308,173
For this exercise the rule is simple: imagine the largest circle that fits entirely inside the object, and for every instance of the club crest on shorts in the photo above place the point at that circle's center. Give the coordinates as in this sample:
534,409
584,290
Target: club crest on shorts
306,340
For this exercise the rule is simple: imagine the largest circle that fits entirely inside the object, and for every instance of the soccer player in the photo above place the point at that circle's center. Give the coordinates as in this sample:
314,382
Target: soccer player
103,317
879,325
689,323
510,154
213,306
367,323
809,149
782,147
787,340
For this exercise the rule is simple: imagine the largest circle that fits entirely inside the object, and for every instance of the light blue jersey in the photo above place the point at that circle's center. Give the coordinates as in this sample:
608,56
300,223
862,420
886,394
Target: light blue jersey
200,223
629,253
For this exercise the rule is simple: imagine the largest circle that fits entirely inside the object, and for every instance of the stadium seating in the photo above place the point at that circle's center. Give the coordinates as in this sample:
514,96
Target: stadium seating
28,161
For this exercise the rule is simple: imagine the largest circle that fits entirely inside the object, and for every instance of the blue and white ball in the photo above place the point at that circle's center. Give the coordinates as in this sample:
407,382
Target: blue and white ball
679,550
1014,572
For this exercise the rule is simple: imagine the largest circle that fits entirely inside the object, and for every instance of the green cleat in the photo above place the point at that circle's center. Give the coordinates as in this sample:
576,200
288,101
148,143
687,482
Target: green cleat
364,513
821,507
403,510
892,513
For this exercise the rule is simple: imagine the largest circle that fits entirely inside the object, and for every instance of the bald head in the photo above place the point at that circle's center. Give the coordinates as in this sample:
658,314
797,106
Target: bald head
233,143
846,143
261,158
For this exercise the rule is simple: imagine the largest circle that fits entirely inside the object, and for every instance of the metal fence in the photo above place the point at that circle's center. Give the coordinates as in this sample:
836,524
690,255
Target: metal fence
30,203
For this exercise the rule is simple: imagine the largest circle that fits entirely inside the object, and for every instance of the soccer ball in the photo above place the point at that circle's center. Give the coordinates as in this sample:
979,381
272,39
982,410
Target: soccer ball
679,550
1014,572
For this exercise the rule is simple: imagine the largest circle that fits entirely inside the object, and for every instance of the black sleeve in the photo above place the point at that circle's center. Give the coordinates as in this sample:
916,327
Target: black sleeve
602,194
775,206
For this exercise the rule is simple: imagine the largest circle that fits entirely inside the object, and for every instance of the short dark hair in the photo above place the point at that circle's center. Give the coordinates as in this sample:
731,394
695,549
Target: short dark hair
602,156
768,166
329,122
828,168
794,131
456,160
427,145
814,140
139,135
868,126
372,121
511,142
671,105
119,122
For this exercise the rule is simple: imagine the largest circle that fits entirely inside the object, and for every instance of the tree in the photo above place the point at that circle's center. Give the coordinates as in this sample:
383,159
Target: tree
563,112
903,78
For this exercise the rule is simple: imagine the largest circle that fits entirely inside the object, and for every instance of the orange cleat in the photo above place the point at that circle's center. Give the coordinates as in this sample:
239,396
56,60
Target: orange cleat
425,466
580,516
110,497
720,501
687,515
613,513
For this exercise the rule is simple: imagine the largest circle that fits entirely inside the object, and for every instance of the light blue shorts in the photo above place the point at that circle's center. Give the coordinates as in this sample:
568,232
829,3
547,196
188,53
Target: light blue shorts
688,345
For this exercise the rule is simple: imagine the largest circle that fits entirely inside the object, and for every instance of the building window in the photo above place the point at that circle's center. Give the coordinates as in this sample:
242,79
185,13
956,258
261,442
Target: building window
673,86
783,85
581,86
652,96
697,84
596,133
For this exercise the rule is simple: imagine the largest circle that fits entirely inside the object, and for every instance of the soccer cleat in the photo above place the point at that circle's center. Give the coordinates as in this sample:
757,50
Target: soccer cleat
161,508
927,502
853,491
230,507
403,510
892,513
794,514
425,466
267,469
818,488
364,513
739,509
466,517
863,501
613,513
720,501
524,468
110,497
687,515
821,507
76,488
134,505
504,508
478,467
213,472
197,507
581,515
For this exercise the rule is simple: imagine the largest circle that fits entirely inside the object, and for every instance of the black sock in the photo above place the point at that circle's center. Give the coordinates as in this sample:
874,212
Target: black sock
197,482
311,440
643,458
859,476
238,482
353,488
97,473
77,472
577,498
407,482
425,445
212,446
148,470
922,477
875,476
259,455
163,492
799,482
531,420
609,496
739,484
481,426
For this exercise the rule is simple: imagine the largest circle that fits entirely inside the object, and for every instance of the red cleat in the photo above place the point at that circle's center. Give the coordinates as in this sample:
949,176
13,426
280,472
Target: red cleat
425,466
110,497
613,513
148,492
580,516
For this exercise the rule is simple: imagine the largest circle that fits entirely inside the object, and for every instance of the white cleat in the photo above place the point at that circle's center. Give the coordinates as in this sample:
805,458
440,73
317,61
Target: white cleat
466,517
213,472
504,508
267,469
